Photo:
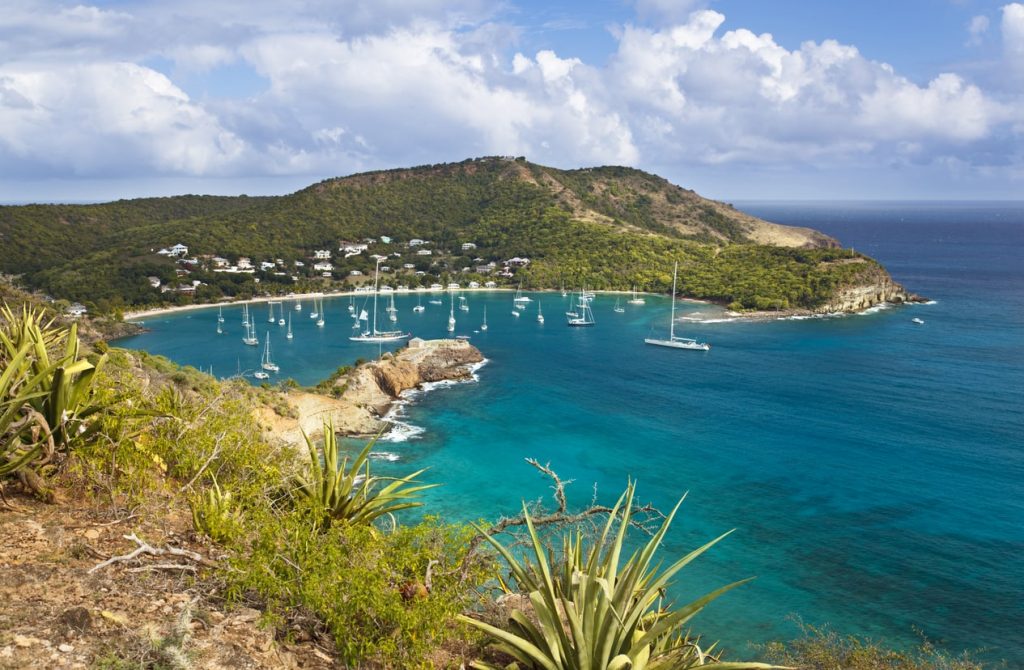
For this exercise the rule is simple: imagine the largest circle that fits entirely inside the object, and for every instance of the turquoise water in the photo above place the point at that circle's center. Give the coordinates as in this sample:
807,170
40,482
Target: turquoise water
873,468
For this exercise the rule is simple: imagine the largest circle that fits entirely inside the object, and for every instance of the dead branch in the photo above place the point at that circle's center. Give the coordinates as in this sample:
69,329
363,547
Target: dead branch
641,516
163,566
145,548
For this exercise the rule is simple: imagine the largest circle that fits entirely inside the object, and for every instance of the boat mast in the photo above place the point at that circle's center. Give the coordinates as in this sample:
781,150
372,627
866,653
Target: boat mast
376,281
672,322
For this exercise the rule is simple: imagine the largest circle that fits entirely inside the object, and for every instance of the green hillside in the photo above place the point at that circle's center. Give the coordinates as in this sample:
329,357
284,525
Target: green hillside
608,227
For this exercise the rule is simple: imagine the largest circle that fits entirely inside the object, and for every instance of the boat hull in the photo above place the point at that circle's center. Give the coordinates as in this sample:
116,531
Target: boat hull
381,337
677,344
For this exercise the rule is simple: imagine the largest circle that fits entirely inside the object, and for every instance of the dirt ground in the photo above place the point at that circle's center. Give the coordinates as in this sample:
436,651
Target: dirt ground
54,613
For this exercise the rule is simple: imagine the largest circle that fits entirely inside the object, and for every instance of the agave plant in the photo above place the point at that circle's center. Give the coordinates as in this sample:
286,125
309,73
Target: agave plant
66,379
591,613
24,433
341,491
216,515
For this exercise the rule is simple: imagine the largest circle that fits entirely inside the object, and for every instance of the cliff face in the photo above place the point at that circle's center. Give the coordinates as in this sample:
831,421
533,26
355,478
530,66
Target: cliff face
369,391
873,286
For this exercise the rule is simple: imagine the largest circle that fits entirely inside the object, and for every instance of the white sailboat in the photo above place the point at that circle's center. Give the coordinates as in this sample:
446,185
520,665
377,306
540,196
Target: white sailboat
260,374
245,316
392,312
315,314
372,334
280,318
220,315
540,314
270,306
250,335
463,304
266,363
419,304
219,329
585,316
298,305
673,341
289,334
618,308
352,304
520,298
451,315
320,313
636,299
483,326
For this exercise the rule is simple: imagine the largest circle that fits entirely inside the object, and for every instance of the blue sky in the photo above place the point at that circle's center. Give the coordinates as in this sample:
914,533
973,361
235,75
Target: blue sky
737,99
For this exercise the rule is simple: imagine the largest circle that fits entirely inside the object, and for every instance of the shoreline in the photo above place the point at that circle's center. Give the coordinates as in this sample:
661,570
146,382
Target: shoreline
160,311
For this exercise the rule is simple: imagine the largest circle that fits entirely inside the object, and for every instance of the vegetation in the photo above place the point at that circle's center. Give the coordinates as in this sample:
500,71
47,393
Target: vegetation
588,611
610,228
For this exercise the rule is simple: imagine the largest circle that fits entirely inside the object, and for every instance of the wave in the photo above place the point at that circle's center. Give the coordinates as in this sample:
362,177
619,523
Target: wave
389,456
876,309
403,431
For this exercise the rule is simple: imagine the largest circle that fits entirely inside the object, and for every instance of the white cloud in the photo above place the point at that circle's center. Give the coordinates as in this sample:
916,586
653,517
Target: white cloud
107,118
1013,35
976,29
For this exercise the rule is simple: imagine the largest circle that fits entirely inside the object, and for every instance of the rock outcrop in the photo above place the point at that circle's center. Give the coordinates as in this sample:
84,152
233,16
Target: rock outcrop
366,393
872,287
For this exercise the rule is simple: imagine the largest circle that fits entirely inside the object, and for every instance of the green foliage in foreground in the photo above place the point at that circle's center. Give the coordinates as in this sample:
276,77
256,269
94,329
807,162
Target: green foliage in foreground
593,612
338,491
824,649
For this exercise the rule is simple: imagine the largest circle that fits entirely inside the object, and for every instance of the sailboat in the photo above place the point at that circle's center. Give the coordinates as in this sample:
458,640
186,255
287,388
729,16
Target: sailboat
220,315
520,298
289,334
245,315
298,305
270,306
673,341
374,335
320,312
540,315
618,308
392,312
419,304
463,305
352,304
483,326
250,335
266,363
636,299
280,318
315,314
585,316
219,329
451,315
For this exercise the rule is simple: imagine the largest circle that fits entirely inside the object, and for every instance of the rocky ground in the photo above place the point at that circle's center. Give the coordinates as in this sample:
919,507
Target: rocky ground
57,612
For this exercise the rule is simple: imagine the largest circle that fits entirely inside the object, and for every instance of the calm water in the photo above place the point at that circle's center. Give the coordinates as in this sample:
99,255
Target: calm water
873,468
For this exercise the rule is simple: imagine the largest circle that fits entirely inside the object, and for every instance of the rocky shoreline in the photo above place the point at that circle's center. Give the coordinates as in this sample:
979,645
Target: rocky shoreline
361,398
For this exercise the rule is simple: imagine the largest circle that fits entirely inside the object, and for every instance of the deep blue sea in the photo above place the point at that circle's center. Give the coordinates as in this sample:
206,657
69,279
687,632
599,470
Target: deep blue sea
873,467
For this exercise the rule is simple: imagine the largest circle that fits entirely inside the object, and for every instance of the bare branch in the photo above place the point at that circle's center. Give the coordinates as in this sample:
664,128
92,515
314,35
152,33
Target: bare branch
144,548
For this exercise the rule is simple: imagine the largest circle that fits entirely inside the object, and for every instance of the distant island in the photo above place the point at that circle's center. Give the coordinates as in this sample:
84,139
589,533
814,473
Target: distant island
484,222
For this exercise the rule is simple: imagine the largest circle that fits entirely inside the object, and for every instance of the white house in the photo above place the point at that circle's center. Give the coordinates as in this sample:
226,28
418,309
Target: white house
244,264
267,265
219,262
408,266
76,310
468,246
424,252
154,281
378,257
322,254
416,242
179,250
474,284
454,286
354,249
323,266
300,264
490,284
385,239
385,268
355,273
518,262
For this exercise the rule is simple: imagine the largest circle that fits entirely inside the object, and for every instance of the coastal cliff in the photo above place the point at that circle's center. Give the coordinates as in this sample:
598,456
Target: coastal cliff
362,396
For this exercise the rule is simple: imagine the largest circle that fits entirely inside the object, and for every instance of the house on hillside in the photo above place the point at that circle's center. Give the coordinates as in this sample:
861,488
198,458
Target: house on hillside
424,252
323,266
468,246
76,310
154,281
322,254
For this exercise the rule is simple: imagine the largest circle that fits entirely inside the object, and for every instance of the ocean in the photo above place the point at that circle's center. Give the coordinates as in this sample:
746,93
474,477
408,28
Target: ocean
873,468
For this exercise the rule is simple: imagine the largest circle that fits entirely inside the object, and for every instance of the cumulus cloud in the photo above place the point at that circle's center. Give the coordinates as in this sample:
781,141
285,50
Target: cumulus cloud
976,29
366,84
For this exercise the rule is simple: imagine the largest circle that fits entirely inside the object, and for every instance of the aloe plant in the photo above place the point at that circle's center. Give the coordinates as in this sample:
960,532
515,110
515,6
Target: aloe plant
215,514
591,613
24,434
341,491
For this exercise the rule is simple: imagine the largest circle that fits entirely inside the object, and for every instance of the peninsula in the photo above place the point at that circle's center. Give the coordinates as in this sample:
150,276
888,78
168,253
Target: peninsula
486,222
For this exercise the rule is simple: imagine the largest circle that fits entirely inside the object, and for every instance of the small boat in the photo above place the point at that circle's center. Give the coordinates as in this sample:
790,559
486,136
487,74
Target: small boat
266,363
436,302
260,374
419,305
320,313
315,314
250,335
618,308
636,299
673,341
464,338
289,334
451,316
463,305
372,334
515,313
917,320
483,326
298,305
220,315
220,330
270,306
540,314
585,315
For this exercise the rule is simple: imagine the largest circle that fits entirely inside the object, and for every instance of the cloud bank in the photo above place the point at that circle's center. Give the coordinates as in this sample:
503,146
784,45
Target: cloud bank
95,93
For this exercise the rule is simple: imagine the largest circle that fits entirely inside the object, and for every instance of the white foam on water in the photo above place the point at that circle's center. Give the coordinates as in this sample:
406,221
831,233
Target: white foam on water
389,456
402,431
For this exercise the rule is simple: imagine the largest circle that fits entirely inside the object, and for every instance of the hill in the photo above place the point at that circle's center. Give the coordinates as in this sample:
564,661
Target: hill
607,227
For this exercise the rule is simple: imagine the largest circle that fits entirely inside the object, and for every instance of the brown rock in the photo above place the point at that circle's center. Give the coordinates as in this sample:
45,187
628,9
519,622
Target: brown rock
77,619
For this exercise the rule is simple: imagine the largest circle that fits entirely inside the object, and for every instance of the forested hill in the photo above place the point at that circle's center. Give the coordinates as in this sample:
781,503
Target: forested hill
608,227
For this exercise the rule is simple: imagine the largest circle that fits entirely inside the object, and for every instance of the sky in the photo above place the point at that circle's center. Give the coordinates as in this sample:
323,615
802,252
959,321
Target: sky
737,99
